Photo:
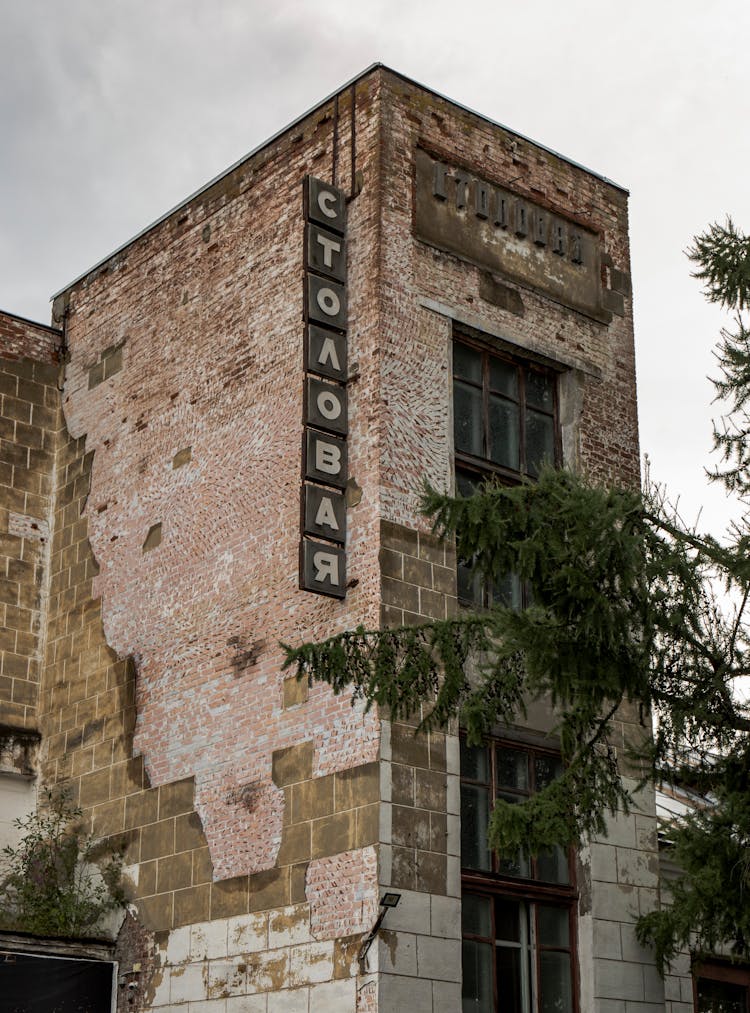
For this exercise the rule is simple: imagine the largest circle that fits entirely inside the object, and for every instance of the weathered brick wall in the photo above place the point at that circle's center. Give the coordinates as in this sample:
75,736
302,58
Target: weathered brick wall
415,419
185,380
87,718
24,339
29,421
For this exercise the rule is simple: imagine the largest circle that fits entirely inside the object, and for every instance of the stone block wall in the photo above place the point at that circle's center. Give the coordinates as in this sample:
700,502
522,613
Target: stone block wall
420,947
418,576
29,422
620,873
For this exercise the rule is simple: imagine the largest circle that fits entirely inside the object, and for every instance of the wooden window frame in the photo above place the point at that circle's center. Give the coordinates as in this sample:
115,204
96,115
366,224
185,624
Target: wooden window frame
478,469
532,891
483,466
726,973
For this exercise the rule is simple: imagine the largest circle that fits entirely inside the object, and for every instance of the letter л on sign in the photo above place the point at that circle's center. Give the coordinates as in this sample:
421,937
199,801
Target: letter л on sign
325,353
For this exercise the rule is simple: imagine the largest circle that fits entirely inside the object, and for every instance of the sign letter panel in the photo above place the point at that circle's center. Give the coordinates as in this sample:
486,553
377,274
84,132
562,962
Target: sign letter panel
323,534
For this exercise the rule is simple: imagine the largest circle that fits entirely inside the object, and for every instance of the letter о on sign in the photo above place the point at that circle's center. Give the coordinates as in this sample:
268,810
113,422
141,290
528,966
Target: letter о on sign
326,406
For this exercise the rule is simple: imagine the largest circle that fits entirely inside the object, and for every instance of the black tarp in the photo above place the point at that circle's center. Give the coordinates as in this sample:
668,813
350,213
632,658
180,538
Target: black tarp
36,984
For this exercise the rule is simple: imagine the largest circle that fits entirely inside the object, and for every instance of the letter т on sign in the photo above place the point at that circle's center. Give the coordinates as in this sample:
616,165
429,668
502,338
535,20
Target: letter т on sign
324,446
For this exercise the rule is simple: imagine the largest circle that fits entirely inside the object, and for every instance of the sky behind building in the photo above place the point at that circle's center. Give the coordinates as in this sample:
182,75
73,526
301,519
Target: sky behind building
113,113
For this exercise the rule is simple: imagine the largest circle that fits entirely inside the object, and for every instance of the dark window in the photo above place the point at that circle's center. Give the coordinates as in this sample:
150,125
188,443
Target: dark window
721,988
518,910
33,982
505,428
505,414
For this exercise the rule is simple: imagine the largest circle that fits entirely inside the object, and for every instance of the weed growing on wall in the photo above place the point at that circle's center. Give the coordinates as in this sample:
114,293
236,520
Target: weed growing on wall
58,882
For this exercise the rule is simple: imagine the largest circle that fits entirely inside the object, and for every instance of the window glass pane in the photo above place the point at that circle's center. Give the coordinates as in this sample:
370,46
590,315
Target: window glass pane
504,378
721,997
518,864
513,982
467,418
552,866
512,766
539,387
518,867
476,915
474,818
546,769
477,991
540,441
469,585
507,920
467,362
506,591
466,483
553,926
555,992
475,763
504,433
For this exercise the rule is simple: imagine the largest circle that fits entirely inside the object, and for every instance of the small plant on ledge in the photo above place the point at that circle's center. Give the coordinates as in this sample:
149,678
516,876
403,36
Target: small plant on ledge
56,881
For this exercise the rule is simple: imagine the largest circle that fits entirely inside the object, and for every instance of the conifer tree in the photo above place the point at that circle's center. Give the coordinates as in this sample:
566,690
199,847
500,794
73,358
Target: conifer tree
628,606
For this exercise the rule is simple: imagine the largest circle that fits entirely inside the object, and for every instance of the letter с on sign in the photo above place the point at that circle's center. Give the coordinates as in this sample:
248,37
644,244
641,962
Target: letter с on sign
323,508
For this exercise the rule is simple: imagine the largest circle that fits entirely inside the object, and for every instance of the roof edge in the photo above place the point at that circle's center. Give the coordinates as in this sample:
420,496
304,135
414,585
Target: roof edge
503,126
295,122
34,323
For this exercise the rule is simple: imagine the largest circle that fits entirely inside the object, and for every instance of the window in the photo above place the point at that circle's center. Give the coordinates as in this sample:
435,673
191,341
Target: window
722,988
505,414
518,911
505,427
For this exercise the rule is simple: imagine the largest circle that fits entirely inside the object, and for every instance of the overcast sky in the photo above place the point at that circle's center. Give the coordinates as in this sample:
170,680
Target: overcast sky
113,111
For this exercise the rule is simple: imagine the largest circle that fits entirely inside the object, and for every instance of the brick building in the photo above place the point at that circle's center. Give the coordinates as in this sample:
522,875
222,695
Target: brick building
219,445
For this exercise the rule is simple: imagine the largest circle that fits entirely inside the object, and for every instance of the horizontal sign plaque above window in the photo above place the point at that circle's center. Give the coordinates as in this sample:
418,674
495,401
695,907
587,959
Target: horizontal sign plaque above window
509,235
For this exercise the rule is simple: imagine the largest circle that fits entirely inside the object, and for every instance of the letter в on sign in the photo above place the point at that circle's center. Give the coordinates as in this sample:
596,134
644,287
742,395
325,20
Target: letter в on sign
325,204
326,406
326,302
324,513
325,353
325,458
325,252
323,569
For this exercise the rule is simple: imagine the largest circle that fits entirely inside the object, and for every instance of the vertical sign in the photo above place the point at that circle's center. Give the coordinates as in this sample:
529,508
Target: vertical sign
323,509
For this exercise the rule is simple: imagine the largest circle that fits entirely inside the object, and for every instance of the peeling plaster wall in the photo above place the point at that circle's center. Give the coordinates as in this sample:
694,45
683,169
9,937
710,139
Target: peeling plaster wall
185,378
